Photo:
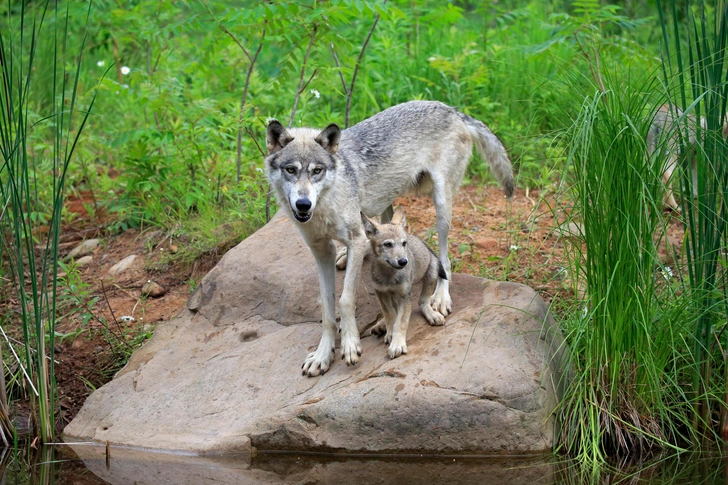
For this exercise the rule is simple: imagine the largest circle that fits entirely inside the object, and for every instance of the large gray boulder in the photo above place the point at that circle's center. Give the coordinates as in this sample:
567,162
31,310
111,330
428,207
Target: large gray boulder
224,375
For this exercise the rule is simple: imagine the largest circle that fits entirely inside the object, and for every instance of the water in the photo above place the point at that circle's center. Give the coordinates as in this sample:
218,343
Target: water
88,466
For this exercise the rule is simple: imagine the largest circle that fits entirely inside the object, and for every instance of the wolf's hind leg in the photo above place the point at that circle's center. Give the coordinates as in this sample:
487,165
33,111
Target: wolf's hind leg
429,283
318,362
442,198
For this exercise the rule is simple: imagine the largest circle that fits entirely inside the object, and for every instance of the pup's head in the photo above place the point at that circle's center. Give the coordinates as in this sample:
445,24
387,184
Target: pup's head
301,165
389,241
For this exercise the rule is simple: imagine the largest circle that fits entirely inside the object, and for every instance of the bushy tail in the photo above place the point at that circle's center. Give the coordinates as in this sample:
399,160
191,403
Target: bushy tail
493,152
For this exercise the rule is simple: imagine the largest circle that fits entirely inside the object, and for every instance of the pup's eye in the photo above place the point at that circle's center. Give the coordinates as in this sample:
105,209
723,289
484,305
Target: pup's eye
290,169
404,243
387,244
317,170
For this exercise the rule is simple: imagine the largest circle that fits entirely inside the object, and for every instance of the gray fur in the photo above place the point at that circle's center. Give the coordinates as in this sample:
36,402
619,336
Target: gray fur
393,281
322,185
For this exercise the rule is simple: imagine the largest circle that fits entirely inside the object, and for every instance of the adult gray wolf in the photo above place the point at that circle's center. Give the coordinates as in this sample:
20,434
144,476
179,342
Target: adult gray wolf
400,261
324,178
663,135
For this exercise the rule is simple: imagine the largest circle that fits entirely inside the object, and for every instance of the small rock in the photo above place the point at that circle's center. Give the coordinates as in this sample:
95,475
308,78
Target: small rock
153,289
173,248
122,265
486,244
84,248
84,260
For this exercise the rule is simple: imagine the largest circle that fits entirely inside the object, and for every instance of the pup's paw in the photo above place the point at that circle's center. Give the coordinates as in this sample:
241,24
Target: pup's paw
434,318
317,363
341,258
350,349
379,329
397,347
441,302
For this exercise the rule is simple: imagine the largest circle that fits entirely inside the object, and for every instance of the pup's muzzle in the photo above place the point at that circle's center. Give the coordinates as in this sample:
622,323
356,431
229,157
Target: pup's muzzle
398,263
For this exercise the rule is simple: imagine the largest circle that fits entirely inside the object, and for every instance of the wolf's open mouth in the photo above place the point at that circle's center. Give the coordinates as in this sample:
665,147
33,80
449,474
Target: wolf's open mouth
301,216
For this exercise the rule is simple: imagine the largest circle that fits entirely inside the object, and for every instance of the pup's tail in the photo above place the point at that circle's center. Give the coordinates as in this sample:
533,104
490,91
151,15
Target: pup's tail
493,152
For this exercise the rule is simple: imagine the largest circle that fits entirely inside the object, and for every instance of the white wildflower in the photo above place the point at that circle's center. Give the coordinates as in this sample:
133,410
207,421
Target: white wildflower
667,272
101,63
514,247
125,86
258,169
315,94
125,70
126,318
432,59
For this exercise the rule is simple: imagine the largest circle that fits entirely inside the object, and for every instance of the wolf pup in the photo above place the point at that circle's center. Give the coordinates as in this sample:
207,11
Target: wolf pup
400,261
324,178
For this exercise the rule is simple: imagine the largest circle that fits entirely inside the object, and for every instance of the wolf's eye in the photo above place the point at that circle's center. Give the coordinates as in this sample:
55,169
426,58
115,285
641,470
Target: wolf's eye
290,169
317,170
387,244
404,243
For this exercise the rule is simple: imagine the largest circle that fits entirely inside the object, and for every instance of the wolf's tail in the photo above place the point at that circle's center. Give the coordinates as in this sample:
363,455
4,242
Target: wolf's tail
492,150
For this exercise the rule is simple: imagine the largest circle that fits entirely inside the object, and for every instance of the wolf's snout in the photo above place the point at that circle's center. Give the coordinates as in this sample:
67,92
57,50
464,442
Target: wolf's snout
303,205
402,262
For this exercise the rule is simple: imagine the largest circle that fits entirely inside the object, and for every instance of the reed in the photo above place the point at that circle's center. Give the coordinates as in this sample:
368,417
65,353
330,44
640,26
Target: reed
36,111
695,73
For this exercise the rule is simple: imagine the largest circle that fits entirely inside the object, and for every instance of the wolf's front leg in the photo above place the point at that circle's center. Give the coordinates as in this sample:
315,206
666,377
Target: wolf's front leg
350,342
318,362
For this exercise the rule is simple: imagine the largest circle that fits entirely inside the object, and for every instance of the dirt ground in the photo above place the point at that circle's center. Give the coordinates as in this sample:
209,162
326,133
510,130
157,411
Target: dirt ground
517,240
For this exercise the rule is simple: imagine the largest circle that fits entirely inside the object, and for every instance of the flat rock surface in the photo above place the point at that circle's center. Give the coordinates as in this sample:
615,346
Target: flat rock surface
224,375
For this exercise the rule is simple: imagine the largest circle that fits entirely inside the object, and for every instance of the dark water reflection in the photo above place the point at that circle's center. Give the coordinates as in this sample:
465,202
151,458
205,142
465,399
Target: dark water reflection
86,465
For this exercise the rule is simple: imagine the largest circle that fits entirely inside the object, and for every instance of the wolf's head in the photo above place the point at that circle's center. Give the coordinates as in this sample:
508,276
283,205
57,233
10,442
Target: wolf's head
301,165
389,241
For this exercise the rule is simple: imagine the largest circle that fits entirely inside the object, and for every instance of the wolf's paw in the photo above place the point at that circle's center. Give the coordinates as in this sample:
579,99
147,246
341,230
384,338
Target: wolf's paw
397,347
441,303
317,363
433,317
350,349
341,258
379,329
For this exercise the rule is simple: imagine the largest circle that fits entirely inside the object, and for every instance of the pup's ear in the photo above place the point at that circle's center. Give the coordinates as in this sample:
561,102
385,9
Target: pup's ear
277,137
329,138
399,217
370,227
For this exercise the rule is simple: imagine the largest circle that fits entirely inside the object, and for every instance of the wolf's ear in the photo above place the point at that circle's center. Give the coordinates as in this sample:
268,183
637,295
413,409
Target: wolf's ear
370,227
329,138
277,137
399,217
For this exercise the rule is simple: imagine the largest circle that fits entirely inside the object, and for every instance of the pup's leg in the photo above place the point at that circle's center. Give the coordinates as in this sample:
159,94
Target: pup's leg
442,198
350,342
318,362
428,287
668,200
399,335
385,325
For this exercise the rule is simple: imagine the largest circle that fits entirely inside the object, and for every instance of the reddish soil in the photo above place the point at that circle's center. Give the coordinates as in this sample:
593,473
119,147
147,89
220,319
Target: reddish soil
491,237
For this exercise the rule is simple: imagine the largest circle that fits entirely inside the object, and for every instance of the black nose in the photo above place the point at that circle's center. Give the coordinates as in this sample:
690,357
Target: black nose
402,261
304,205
